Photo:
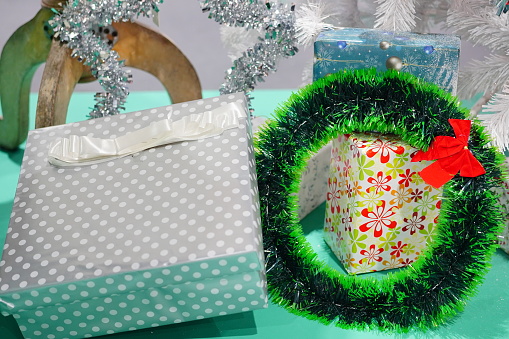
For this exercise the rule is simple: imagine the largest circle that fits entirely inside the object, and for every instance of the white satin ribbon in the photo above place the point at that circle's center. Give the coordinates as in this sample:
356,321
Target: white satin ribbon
82,150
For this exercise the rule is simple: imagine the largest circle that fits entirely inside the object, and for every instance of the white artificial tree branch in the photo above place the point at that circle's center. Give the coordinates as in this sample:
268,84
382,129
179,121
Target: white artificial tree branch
311,19
487,75
347,13
470,6
395,15
430,13
316,16
497,118
482,27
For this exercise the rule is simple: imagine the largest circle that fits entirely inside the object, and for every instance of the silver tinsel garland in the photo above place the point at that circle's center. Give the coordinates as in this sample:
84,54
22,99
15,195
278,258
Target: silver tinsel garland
75,27
278,22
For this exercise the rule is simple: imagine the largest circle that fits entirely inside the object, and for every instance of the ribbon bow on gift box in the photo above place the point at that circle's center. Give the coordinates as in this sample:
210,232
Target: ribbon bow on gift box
78,150
452,156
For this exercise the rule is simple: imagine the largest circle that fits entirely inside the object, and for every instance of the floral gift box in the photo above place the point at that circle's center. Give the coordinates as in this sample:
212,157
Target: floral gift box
379,212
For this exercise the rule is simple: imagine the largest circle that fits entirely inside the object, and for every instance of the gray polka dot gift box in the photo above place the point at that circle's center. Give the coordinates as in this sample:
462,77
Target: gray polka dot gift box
115,229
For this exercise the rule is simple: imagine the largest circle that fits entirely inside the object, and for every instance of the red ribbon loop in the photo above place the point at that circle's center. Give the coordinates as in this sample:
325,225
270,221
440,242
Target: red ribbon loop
452,156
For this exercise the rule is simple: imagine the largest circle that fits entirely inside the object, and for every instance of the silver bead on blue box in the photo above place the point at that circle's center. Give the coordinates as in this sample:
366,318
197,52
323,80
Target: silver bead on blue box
432,57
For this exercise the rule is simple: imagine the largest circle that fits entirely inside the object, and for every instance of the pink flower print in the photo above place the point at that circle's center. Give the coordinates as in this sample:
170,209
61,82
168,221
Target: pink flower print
398,248
384,148
414,223
333,195
407,178
380,217
372,254
380,183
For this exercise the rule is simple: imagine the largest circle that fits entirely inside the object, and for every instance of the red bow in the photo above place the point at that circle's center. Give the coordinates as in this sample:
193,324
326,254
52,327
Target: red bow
453,156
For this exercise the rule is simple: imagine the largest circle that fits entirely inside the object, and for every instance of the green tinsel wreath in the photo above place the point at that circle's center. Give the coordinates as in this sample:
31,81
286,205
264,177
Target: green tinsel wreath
431,290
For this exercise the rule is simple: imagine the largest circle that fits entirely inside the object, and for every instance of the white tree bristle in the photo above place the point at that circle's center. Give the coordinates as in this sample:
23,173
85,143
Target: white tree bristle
395,15
311,20
498,118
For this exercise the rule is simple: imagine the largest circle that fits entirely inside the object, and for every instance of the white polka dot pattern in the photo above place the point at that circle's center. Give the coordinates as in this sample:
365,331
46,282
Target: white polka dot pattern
134,231
143,299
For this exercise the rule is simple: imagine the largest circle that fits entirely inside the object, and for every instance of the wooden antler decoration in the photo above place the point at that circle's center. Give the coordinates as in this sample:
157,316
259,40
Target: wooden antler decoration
140,47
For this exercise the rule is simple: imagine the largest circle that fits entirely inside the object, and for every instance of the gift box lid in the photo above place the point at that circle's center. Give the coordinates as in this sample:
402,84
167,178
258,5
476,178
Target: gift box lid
180,212
432,57
364,36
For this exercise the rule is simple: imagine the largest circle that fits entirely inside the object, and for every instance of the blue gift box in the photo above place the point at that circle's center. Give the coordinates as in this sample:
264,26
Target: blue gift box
432,57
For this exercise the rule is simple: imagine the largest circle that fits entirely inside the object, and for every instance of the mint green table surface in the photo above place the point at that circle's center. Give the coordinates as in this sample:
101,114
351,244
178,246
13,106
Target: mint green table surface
486,315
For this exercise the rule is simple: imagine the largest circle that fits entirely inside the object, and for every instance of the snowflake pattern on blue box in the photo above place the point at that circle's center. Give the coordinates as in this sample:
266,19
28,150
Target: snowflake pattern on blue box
432,57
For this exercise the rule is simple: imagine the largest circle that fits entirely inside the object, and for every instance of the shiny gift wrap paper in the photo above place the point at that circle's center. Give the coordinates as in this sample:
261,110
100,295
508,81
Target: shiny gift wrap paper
379,212
163,236
431,57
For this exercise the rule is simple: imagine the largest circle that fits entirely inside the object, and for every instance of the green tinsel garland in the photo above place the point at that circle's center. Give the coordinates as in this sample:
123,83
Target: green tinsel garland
434,288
